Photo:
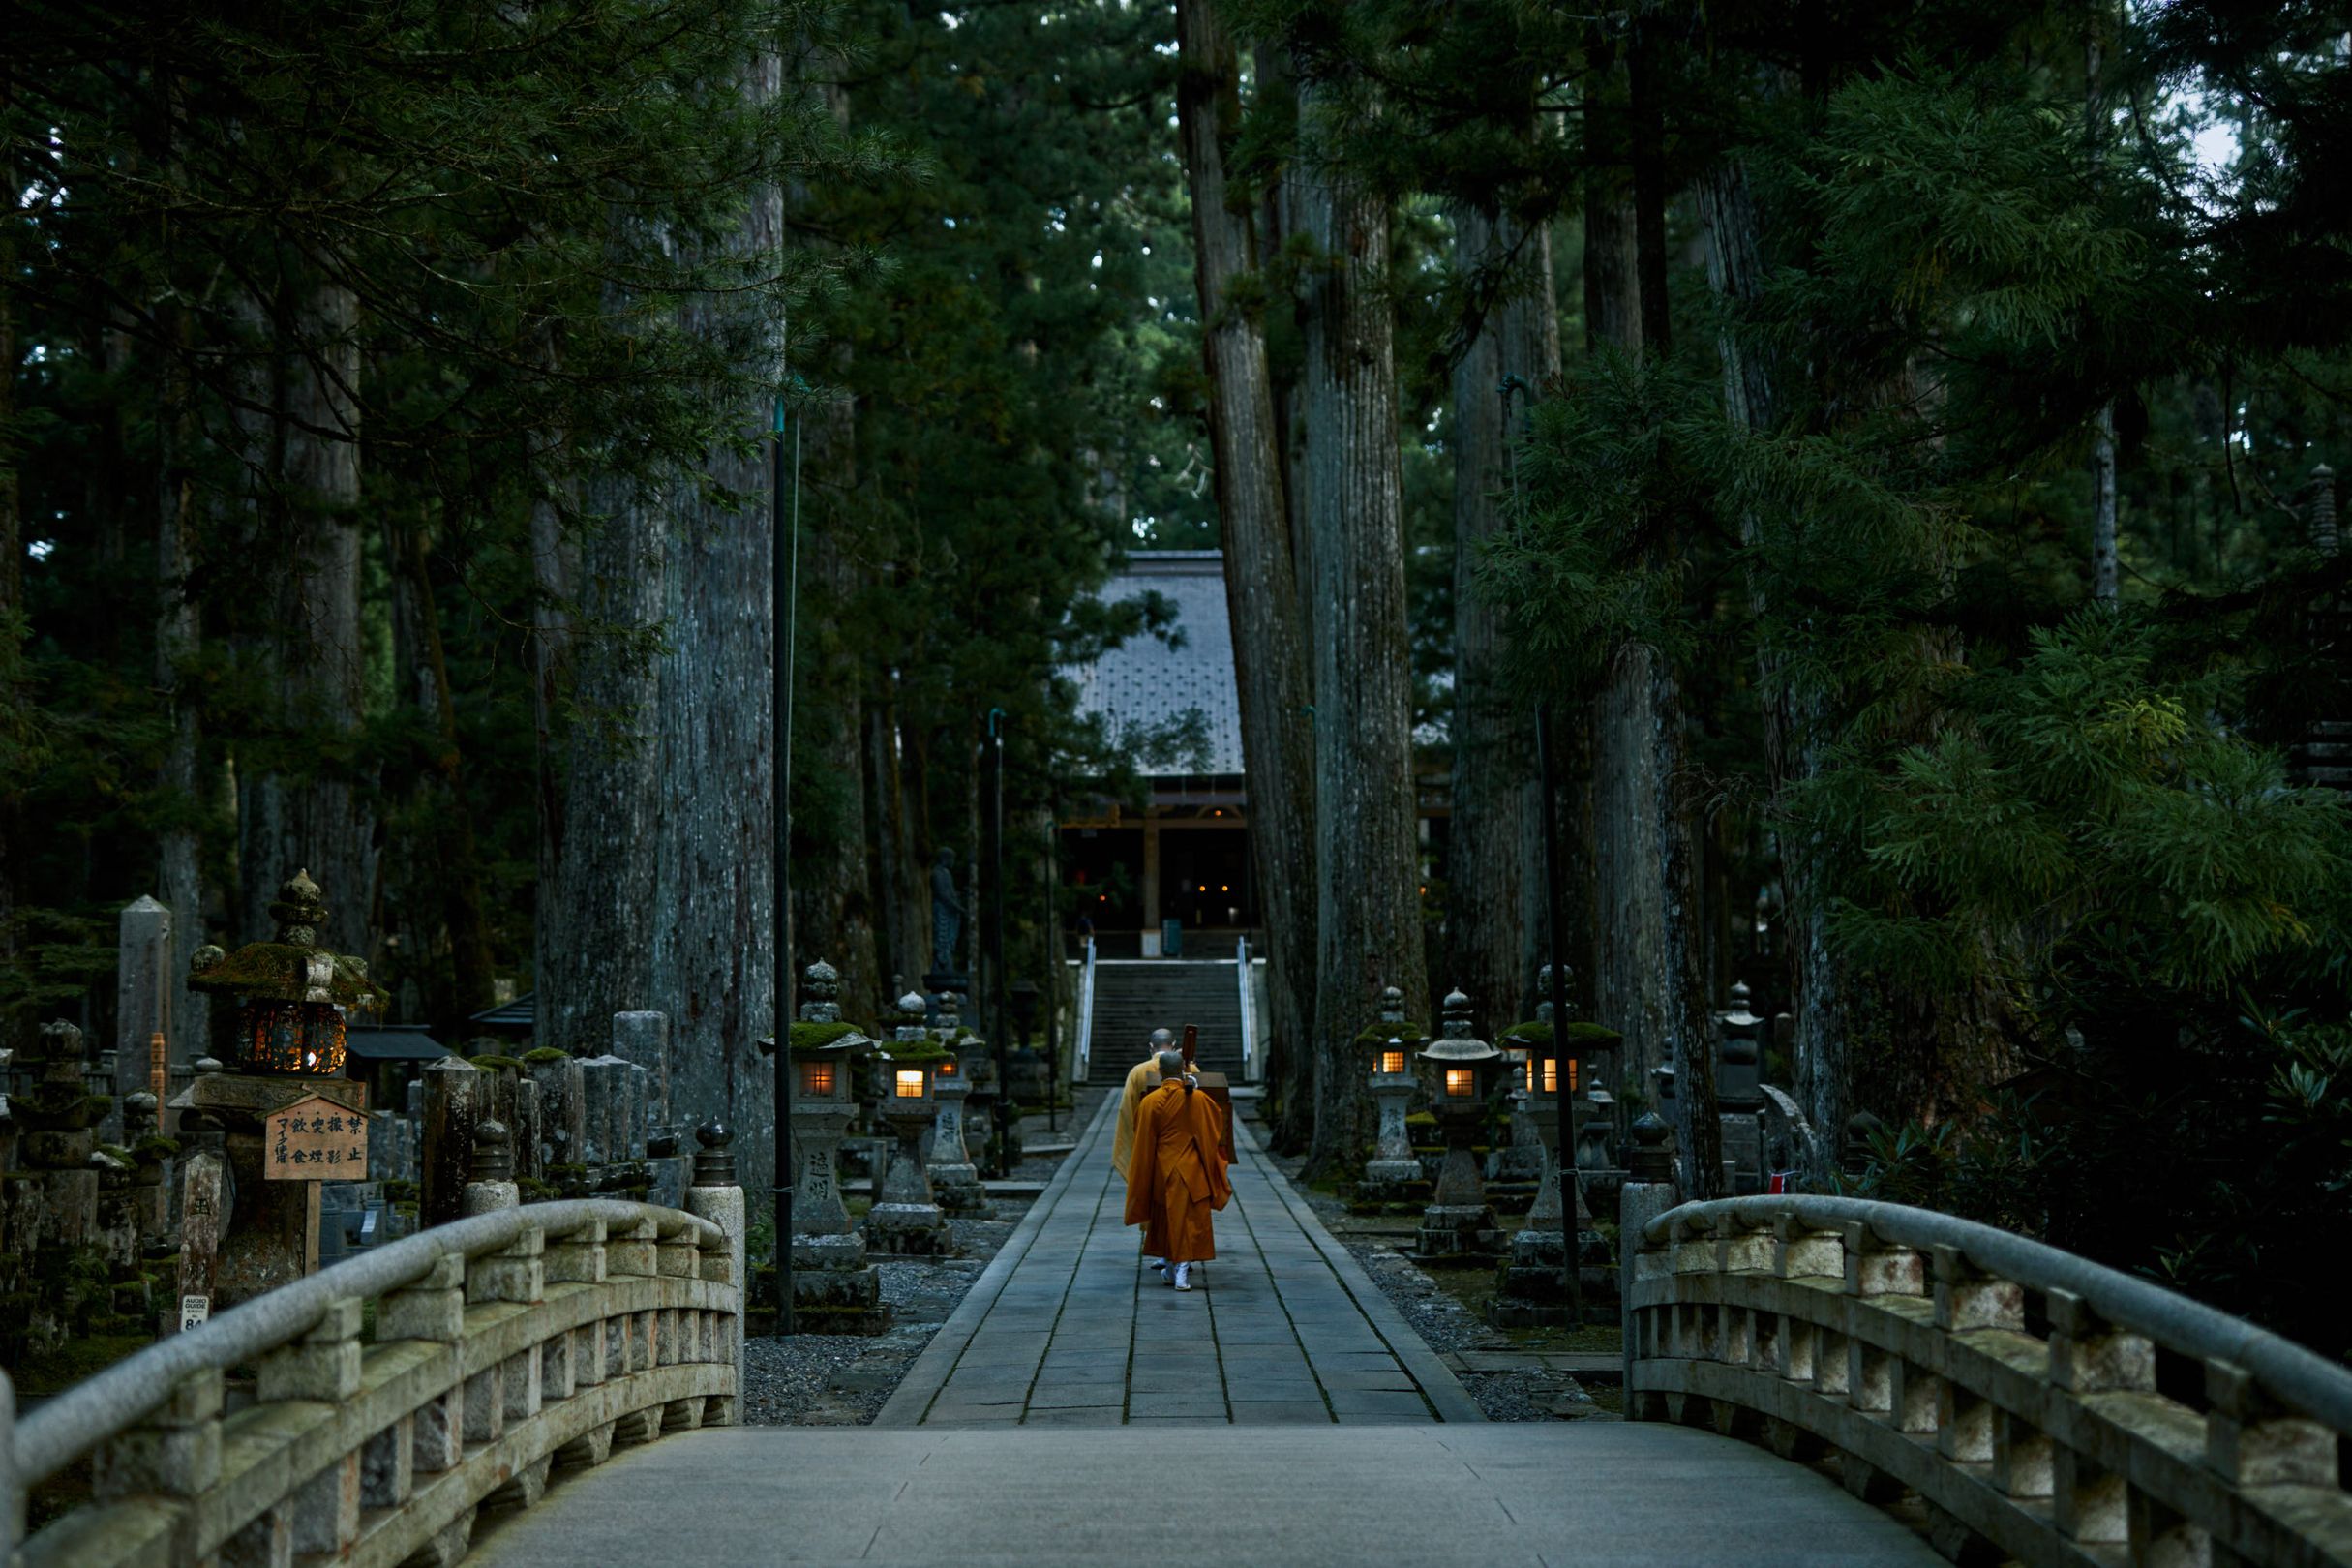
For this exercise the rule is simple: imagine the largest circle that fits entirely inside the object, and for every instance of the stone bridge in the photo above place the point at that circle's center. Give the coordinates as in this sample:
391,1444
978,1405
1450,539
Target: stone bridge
1907,1384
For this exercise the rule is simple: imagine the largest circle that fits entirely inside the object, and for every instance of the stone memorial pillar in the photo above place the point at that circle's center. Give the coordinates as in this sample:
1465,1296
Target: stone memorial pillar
644,1038
490,1172
144,984
452,1109
1740,1100
563,1127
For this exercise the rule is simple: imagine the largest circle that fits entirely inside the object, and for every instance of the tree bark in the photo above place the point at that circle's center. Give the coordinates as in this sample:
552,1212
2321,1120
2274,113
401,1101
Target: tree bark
714,896
319,818
178,641
1261,582
15,731
1367,851
1493,868
442,819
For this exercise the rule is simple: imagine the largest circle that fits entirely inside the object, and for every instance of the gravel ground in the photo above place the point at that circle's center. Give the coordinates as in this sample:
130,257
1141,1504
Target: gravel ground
1446,1323
844,1379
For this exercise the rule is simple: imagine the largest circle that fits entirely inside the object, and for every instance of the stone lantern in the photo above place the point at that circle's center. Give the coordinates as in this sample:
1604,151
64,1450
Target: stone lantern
292,995
906,1220
1459,1223
954,1180
824,1052
834,1290
1393,1172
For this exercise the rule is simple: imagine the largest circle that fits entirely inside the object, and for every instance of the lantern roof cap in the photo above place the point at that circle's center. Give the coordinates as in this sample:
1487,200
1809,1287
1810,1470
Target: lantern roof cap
823,1042
294,967
1457,1045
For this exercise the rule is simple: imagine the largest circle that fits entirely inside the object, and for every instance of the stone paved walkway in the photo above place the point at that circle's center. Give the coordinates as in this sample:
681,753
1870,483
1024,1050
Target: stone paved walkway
1066,1328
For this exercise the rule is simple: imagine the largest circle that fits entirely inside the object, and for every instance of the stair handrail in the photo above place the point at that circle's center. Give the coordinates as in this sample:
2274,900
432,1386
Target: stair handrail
1081,1059
1249,1030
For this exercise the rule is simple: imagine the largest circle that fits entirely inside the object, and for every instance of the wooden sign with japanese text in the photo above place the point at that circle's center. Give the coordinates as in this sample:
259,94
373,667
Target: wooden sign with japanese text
316,1140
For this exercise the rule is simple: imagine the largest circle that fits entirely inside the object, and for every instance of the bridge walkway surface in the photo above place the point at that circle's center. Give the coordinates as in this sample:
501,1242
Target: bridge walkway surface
1285,1413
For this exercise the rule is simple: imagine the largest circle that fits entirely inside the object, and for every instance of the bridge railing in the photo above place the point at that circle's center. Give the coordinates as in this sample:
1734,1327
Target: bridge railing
2043,1408
396,1393
1249,1014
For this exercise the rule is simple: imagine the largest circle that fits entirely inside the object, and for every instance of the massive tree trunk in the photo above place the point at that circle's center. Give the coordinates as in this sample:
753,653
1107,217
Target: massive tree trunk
447,884
715,899
1650,970
601,813
1493,869
308,807
1261,582
1367,854
178,641
14,706
831,891
894,833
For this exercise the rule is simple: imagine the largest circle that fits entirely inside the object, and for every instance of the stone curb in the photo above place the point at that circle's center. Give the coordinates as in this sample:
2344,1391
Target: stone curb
1451,1400
930,1375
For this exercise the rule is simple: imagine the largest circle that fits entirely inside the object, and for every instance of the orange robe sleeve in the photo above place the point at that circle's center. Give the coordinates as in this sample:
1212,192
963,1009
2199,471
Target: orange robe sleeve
1143,1161
1208,1129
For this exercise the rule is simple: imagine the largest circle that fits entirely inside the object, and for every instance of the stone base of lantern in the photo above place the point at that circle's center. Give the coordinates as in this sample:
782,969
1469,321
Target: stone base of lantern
1459,1235
1515,1163
1387,1183
958,1188
908,1230
1527,1284
834,1290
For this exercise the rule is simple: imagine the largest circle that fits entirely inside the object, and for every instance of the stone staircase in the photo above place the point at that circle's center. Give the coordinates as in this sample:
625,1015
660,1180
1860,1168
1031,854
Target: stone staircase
1132,997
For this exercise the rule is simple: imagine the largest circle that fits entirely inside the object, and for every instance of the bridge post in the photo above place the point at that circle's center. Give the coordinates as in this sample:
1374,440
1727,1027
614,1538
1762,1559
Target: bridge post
714,1196
1648,1192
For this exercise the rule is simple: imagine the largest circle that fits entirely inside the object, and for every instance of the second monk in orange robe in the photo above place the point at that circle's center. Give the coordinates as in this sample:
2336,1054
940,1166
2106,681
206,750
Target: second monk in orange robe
1177,1173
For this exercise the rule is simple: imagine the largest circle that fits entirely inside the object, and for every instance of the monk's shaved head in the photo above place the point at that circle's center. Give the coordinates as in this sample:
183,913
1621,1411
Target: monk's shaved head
1172,1063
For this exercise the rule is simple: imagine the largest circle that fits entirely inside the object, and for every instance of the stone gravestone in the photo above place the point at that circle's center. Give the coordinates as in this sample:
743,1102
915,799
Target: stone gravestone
142,988
644,1038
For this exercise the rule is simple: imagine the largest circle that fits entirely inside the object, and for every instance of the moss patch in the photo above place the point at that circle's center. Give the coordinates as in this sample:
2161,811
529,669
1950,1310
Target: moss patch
545,1054
54,1371
496,1063
811,1038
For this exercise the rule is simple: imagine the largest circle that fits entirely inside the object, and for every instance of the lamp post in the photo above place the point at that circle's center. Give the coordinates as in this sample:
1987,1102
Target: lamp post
784,567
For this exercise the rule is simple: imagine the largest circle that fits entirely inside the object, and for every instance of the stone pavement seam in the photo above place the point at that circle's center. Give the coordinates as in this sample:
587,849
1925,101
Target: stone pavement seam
906,1406
1282,1301
1443,1391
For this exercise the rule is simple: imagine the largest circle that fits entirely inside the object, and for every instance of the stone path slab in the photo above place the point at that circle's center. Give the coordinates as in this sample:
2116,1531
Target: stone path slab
1595,1494
1066,1328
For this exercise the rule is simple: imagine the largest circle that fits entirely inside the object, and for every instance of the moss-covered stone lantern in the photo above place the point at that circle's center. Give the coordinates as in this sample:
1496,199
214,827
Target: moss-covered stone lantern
824,1054
1459,1223
1392,1173
287,1116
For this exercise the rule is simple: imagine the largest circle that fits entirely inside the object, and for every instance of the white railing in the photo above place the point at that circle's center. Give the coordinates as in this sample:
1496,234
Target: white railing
396,1393
1081,1058
1249,1014
2041,1407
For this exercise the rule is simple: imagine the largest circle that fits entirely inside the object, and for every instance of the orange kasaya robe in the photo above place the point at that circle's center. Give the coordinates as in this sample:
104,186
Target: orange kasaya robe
1178,1173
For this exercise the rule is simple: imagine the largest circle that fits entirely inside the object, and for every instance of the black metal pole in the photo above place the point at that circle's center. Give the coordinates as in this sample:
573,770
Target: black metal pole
784,554
996,954
1563,1105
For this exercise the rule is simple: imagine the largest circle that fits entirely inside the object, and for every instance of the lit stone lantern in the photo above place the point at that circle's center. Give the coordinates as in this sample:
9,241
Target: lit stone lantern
834,1290
292,995
1393,1172
906,1220
954,1180
824,1053
1459,1223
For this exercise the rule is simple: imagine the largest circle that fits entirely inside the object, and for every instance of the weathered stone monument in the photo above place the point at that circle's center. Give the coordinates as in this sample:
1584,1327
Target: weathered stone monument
905,1220
834,1290
1459,1225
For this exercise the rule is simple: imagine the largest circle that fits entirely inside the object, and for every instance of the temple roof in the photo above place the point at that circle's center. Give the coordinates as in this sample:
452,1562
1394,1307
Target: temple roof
1147,686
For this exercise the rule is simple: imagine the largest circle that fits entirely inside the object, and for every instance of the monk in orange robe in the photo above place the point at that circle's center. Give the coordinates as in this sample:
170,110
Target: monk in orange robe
1177,1173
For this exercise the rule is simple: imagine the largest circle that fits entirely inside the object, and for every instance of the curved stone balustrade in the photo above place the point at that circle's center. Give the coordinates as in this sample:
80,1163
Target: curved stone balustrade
395,1394
2043,1408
